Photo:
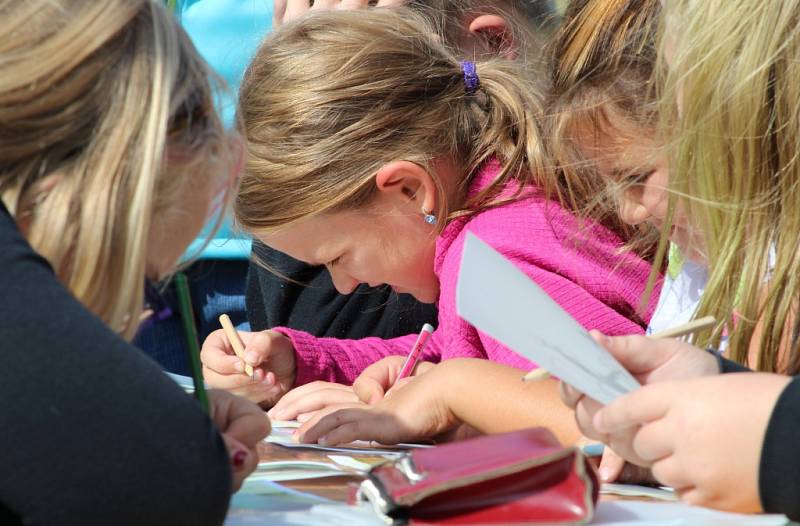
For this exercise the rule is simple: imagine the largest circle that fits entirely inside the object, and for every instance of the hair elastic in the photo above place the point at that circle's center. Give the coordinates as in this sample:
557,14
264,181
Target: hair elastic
471,80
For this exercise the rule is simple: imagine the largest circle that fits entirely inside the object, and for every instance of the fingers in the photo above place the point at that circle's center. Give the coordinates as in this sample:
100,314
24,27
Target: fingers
610,465
654,441
634,409
243,460
639,354
278,12
339,426
312,397
569,395
584,417
239,418
295,9
217,354
376,379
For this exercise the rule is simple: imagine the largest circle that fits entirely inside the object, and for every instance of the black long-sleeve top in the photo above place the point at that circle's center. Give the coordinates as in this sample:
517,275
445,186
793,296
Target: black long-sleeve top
91,431
310,302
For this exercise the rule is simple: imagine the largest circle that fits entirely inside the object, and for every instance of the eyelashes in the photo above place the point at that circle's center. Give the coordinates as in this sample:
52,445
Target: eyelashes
333,262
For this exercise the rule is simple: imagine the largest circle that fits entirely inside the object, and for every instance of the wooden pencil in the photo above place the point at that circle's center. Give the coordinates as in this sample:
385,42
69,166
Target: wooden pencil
236,342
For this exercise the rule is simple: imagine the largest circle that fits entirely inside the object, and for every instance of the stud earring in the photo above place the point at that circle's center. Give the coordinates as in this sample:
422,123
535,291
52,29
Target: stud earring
428,218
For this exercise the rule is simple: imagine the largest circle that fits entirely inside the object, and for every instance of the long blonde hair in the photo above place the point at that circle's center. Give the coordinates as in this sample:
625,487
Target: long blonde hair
730,96
331,98
601,62
112,99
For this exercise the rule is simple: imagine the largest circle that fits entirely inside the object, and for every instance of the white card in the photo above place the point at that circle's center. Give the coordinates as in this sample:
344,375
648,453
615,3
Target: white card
497,298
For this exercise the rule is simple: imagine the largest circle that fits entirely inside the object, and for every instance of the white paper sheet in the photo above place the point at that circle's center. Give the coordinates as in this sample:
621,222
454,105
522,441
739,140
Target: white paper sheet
639,513
500,300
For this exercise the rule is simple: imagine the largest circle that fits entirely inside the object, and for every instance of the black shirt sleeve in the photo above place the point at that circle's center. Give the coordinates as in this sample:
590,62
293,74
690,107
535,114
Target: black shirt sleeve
779,471
308,301
91,430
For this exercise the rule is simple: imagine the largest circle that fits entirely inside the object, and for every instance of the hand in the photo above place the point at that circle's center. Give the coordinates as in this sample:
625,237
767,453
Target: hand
243,425
417,411
301,403
377,379
649,360
701,436
271,354
286,10
614,468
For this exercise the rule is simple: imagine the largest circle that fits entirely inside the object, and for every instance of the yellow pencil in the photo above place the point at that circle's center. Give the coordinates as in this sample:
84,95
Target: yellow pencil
675,332
236,342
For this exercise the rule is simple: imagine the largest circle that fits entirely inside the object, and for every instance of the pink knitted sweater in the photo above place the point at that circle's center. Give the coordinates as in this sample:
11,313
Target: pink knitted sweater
578,265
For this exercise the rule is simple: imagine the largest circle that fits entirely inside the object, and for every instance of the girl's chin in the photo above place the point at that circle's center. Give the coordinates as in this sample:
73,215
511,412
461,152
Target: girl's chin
424,296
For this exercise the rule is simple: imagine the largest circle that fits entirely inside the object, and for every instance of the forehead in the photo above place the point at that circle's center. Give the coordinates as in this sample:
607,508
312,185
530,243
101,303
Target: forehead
615,143
315,240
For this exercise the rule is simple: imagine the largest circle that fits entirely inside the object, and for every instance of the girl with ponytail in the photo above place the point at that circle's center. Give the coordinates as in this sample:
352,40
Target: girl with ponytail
373,150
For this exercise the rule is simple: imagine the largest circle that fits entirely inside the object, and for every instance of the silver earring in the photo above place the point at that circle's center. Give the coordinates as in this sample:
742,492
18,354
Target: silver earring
428,218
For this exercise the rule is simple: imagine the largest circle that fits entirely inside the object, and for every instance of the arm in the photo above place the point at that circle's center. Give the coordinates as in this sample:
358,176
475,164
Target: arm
341,361
483,395
93,432
475,389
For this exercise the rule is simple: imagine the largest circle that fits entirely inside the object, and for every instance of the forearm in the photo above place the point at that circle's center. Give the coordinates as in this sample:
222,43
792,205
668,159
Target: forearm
492,398
340,361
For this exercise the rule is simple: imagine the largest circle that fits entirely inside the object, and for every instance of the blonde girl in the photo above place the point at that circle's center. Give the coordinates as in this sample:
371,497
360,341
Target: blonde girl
111,148
730,92
373,150
108,146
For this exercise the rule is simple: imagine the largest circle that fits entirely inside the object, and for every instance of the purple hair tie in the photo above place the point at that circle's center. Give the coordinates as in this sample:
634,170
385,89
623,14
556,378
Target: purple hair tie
471,80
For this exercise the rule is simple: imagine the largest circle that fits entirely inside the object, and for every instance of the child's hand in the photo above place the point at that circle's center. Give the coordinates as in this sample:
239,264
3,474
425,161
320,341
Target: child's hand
270,353
649,361
243,425
701,436
415,412
286,10
301,403
378,378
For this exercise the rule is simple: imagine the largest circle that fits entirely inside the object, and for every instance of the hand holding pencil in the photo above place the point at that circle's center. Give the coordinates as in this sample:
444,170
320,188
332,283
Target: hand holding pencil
270,355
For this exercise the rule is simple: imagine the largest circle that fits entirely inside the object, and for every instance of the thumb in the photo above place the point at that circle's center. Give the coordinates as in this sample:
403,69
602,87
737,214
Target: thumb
368,389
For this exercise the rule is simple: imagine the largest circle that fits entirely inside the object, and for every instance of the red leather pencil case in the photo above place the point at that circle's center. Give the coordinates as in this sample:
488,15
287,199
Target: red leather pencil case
523,477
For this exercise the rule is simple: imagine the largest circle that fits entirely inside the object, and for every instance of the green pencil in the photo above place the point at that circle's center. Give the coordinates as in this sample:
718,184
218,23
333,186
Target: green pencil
190,332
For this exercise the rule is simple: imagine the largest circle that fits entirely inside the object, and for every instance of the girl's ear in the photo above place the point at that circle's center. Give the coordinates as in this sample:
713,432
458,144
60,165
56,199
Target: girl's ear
497,32
407,182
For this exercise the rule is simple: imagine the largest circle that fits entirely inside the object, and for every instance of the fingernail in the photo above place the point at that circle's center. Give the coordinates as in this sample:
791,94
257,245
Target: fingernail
271,414
605,474
323,441
251,357
239,366
238,458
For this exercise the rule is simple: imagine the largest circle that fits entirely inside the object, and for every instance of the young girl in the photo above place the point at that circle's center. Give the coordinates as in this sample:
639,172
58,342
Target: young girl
106,126
601,126
375,158
605,125
729,109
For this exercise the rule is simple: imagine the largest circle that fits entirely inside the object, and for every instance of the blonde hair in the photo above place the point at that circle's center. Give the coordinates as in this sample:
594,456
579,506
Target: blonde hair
331,98
601,63
730,96
112,99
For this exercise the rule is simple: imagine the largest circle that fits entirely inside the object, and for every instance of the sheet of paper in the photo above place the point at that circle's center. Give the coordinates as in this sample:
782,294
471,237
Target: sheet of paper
500,300
634,490
640,513
282,435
